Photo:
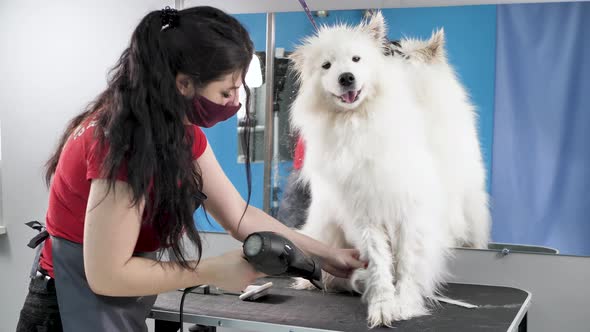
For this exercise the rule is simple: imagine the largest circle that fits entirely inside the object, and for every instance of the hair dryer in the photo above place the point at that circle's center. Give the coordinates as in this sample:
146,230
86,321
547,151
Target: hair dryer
274,255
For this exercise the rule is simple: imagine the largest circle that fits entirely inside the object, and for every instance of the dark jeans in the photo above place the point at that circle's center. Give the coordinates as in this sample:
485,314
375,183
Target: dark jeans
40,312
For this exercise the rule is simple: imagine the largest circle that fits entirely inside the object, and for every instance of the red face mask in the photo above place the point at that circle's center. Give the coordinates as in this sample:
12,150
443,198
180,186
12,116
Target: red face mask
207,113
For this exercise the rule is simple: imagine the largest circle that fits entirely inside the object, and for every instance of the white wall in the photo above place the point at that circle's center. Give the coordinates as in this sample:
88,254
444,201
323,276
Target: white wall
54,56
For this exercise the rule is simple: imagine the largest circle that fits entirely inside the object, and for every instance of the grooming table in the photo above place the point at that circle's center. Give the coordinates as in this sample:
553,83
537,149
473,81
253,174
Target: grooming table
289,310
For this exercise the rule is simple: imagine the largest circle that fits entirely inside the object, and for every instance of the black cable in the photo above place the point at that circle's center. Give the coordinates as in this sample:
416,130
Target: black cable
186,291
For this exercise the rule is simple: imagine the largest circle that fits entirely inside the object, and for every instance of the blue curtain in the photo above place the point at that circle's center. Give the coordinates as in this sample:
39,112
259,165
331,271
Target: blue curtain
541,158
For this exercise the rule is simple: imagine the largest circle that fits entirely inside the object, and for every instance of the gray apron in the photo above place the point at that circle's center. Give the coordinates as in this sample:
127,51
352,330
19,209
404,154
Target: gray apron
83,310
80,308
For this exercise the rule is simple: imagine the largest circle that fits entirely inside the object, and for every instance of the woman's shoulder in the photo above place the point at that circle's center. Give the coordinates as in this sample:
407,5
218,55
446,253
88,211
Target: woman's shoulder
199,140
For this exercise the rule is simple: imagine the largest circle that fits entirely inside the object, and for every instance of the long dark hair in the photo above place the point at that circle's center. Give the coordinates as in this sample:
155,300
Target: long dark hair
141,114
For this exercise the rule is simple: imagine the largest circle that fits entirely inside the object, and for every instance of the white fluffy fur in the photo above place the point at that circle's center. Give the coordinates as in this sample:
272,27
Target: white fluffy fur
398,173
452,135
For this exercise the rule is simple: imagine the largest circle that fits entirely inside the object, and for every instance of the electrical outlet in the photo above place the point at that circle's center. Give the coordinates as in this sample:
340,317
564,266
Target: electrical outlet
2,230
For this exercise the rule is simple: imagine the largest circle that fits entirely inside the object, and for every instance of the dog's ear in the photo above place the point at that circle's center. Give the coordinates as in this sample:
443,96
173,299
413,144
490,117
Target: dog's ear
297,59
376,27
431,50
436,45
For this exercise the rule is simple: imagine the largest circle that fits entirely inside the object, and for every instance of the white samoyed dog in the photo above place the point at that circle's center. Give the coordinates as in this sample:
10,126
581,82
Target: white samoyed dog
393,162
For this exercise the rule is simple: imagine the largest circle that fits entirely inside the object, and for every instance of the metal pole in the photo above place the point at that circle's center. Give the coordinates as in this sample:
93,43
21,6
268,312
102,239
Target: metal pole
268,119
178,4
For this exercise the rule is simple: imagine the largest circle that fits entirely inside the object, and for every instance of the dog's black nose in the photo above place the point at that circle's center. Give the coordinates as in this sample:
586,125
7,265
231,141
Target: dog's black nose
346,79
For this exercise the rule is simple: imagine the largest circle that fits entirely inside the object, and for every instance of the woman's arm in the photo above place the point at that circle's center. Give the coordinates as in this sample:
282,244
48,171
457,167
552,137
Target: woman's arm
226,205
111,230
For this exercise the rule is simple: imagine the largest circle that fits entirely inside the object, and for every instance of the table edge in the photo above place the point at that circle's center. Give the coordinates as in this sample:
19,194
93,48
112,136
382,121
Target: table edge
524,308
272,327
230,322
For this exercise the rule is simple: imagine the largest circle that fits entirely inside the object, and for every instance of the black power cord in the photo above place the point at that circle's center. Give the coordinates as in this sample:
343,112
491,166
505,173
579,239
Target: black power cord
186,291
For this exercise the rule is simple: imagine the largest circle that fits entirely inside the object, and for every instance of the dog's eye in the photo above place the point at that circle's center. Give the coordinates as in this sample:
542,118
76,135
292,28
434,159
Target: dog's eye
356,58
326,65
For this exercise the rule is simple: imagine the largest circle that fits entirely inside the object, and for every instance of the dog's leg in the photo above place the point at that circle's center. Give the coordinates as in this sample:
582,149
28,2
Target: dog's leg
421,267
334,236
331,235
377,280
318,227
478,218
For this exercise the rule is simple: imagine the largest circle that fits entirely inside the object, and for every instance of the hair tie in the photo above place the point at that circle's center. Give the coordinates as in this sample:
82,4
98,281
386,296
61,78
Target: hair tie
169,17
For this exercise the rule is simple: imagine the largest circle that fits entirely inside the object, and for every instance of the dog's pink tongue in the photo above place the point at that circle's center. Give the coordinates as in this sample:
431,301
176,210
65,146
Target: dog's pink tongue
350,96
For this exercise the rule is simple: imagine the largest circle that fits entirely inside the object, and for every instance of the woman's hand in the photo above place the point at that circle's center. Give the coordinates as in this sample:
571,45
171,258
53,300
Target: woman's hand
342,262
230,272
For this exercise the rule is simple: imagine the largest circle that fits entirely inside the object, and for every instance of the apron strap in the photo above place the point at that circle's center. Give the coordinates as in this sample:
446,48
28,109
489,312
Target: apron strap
35,225
37,243
38,239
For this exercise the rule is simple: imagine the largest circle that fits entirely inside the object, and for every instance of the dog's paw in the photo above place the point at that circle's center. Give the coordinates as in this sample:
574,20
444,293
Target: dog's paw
387,306
302,284
358,280
410,302
410,308
383,310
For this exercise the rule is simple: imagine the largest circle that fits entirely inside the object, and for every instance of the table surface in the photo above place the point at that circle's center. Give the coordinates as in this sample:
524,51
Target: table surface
285,309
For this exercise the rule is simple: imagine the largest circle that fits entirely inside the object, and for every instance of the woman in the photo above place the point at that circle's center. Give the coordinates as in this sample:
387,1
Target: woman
130,171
